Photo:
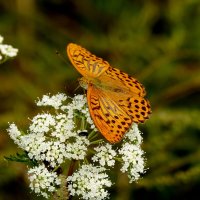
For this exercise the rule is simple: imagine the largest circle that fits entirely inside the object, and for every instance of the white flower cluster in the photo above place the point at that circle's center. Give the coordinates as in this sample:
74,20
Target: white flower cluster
89,182
86,181
132,155
6,51
79,103
104,155
134,135
54,138
56,101
14,134
42,181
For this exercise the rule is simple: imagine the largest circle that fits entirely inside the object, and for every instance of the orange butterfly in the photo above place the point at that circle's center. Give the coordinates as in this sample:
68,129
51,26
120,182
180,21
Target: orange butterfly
115,99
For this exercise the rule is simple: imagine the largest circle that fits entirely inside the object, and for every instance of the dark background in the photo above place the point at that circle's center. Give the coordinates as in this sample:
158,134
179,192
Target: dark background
155,41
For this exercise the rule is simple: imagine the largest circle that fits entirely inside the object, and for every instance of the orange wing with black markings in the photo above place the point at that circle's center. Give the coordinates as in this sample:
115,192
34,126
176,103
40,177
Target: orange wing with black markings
111,120
115,99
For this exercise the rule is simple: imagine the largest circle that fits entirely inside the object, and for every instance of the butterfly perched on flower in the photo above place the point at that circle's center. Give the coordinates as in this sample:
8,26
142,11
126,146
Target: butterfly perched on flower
115,99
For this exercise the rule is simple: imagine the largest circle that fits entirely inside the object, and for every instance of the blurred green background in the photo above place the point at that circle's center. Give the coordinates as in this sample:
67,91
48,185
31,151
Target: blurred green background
156,41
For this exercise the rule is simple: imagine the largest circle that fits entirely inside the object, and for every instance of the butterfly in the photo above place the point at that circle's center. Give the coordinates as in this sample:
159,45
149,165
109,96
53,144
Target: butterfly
114,98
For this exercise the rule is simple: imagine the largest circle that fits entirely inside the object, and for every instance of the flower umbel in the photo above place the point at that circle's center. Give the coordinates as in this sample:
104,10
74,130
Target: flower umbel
132,155
64,137
6,51
89,182
133,161
42,181
104,155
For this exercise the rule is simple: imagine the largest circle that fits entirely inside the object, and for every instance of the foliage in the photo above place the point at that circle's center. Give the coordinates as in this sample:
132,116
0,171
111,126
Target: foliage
22,158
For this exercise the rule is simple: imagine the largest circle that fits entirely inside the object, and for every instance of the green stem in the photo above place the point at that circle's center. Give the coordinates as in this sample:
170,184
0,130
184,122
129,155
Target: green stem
56,168
118,159
97,141
93,137
92,133
91,151
86,161
82,123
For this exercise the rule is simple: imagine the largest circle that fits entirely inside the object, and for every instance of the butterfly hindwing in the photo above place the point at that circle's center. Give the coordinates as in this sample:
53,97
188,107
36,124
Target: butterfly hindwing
137,108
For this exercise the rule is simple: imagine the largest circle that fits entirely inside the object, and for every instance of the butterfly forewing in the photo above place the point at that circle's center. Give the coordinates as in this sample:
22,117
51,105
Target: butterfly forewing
86,63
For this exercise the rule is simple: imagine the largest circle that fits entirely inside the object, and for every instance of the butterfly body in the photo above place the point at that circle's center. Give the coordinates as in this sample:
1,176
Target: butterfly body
115,99
108,86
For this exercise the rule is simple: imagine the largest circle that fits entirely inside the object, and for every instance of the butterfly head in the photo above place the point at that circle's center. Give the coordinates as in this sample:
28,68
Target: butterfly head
83,82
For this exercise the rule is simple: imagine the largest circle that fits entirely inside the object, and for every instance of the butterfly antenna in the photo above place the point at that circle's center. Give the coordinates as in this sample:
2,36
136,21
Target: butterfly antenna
77,88
62,57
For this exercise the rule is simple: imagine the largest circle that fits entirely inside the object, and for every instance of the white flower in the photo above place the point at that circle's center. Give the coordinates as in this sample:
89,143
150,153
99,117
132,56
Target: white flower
54,152
89,182
104,155
78,149
56,101
64,128
43,181
14,133
55,155
42,123
53,138
134,135
132,154
79,103
35,145
1,39
133,160
41,150
8,50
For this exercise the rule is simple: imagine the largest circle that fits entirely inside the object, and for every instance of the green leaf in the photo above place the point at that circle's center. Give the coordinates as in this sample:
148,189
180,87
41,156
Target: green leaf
23,158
